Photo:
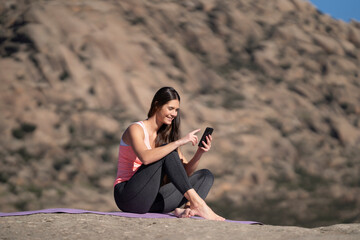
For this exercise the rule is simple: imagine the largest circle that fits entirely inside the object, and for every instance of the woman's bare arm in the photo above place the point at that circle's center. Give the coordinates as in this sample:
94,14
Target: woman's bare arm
192,165
135,135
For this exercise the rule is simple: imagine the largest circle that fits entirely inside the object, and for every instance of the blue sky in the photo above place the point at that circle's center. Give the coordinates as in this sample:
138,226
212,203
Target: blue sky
339,9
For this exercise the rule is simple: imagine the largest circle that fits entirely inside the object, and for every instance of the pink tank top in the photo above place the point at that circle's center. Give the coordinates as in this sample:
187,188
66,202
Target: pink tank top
128,162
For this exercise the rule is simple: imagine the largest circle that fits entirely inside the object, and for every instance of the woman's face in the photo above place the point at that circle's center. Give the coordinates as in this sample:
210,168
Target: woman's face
168,111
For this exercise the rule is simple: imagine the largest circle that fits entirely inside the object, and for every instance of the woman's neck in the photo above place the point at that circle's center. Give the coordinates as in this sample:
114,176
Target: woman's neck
153,124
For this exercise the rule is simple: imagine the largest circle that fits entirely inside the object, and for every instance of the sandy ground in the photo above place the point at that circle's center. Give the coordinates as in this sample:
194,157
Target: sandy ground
92,226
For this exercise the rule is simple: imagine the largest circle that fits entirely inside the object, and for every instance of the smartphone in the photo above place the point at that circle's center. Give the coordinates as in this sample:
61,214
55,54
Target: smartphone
208,131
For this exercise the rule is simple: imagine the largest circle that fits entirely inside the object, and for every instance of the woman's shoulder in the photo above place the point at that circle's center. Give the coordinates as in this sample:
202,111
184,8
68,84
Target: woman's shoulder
133,130
136,124
135,127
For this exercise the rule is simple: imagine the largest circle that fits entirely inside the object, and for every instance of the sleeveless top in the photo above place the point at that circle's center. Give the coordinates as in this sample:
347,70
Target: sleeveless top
128,162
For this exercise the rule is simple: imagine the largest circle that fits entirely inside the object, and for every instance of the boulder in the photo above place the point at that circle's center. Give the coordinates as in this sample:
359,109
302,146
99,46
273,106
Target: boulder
330,45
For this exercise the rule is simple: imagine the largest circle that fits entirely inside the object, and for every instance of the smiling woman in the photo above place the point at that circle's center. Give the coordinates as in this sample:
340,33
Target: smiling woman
148,151
168,101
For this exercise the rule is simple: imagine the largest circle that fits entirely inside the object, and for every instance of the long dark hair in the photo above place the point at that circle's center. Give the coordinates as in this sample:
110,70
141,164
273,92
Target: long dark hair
166,133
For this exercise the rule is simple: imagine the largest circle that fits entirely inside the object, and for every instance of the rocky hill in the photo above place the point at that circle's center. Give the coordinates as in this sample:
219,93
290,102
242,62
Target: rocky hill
277,79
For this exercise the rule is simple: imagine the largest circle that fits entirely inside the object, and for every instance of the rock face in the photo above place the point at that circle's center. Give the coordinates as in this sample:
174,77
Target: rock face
277,80
92,226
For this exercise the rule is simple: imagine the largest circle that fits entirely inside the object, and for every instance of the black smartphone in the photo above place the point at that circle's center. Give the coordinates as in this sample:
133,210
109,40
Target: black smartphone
208,131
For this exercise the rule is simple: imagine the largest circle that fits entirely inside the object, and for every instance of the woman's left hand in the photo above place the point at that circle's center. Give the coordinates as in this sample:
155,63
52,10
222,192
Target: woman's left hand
207,144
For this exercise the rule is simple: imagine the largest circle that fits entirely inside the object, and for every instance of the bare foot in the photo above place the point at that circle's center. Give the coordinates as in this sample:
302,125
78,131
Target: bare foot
203,210
183,213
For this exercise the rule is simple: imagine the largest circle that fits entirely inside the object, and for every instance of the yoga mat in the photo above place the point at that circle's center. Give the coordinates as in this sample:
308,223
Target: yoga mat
121,214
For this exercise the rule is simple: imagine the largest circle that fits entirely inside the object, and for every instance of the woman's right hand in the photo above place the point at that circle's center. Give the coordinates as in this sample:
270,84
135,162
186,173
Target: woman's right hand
190,137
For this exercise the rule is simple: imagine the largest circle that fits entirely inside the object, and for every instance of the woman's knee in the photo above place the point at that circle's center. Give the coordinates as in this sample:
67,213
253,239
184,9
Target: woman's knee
207,175
172,155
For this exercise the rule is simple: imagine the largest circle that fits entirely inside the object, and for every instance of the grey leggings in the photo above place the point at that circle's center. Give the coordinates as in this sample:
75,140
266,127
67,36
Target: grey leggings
144,193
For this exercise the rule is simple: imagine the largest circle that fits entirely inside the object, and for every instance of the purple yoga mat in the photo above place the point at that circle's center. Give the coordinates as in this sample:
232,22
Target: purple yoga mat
121,214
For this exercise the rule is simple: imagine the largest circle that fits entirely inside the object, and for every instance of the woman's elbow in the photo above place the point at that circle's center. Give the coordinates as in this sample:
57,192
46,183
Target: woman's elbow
144,161
147,160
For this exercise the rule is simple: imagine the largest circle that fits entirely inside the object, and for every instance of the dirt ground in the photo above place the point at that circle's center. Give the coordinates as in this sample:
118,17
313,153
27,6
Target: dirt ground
92,226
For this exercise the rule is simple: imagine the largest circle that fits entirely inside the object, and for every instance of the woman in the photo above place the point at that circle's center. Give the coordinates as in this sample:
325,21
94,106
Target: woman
149,150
